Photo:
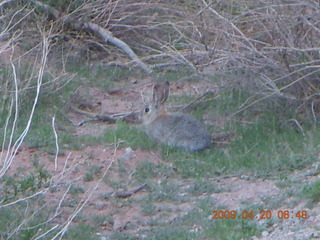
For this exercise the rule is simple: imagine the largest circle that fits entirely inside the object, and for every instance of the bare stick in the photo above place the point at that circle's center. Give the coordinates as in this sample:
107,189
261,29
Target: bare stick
14,149
57,145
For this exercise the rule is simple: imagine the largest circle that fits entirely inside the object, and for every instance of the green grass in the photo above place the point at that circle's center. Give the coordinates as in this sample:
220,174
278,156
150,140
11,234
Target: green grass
166,191
27,218
93,172
131,136
76,189
148,170
100,76
16,187
257,150
261,147
82,232
204,186
312,191
177,73
41,133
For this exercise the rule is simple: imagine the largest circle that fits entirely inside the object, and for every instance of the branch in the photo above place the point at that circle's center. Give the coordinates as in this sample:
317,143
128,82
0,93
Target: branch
108,37
103,33
123,194
127,117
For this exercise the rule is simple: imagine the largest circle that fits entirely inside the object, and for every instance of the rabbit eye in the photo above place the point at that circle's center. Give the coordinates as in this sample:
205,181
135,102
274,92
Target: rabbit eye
147,109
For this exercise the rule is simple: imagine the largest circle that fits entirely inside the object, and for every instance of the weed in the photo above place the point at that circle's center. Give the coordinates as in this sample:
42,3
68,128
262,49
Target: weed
202,186
122,236
260,148
88,177
148,170
43,176
23,220
231,229
92,171
82,232
166,191
101,220
148,208
177,73
75,190
312,191
91,155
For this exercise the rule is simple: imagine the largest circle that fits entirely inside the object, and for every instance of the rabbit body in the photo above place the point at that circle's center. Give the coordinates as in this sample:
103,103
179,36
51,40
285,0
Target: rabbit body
174,129
179,130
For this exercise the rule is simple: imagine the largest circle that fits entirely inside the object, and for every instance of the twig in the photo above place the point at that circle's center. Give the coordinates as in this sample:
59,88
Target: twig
57,144
210,92
298,125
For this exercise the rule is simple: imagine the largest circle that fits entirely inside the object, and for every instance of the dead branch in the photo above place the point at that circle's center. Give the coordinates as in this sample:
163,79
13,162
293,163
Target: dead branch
126,194
132,117
105,35
108,37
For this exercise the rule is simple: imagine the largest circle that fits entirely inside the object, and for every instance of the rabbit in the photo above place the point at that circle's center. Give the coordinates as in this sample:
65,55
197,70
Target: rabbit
174,129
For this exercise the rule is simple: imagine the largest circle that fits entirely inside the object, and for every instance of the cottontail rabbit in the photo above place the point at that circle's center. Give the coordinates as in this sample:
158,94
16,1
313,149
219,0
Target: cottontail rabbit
174,129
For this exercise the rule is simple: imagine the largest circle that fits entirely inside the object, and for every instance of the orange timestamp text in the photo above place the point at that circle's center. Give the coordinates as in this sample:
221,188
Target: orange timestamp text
280,214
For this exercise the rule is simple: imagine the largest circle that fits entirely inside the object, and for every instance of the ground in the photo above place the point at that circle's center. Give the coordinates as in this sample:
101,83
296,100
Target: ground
91,177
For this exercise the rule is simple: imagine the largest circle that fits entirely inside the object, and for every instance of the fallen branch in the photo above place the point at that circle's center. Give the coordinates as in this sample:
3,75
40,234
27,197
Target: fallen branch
123,194
105,35
132,117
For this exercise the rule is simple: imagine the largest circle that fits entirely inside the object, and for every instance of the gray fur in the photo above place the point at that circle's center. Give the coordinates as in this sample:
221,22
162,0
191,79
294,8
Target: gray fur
180,130
173,129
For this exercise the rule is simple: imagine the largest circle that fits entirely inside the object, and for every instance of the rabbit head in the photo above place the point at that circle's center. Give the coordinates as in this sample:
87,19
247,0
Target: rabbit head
157,107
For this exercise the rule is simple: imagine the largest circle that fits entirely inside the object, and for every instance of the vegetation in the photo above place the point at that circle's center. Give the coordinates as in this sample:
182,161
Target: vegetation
261,60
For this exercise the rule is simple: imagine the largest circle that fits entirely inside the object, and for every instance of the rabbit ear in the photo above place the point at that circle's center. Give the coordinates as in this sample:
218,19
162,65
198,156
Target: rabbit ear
160,93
